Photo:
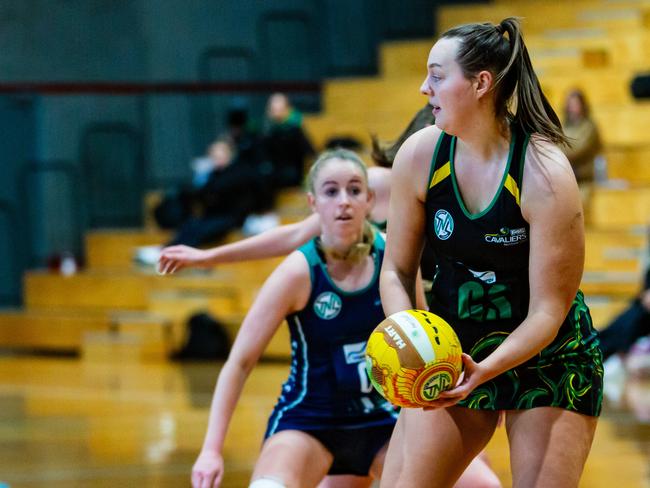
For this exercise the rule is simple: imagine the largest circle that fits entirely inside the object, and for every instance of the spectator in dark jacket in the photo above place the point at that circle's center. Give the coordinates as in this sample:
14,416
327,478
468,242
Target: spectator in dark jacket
225,199
286,143
630,325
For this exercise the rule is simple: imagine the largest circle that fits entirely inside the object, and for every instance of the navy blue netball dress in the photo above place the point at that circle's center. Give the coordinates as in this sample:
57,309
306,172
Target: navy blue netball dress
328,393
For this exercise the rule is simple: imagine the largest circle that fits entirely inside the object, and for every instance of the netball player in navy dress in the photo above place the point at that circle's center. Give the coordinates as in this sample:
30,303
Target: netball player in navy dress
493,194
328,419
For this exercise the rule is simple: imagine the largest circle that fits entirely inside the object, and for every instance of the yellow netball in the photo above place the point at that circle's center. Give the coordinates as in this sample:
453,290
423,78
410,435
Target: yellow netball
413,356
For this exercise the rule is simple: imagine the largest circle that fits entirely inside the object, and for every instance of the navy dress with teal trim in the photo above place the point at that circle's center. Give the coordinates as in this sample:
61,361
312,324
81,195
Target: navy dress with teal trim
328,386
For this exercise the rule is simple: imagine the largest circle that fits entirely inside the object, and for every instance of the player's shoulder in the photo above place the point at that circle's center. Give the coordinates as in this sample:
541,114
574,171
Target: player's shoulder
415,155
378,175
546,165
420,144
413,160
378,171
548,180
290,281
294,270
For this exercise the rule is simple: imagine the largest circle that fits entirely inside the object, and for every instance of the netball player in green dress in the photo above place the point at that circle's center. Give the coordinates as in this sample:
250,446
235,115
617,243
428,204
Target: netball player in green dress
492,192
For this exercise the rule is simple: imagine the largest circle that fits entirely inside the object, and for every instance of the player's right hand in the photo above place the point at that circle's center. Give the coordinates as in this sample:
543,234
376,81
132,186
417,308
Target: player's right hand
175,258
208,470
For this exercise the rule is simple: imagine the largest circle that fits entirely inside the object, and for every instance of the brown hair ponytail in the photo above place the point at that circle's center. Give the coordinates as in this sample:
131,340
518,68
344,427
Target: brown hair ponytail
486,47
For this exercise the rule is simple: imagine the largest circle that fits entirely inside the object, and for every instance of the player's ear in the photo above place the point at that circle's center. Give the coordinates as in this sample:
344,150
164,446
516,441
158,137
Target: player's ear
372,200
311,200
483,83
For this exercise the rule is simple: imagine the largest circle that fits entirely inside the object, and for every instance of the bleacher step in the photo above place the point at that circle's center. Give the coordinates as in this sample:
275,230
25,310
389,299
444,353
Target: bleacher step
116,247
620,208
402,59
48,329
607,251
122,346
107,289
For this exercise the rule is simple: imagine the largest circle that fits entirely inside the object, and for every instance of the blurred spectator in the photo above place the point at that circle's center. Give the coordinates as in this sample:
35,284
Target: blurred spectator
181,203
286,144
238,140
230,193
251,150
629,326
583,134
226,189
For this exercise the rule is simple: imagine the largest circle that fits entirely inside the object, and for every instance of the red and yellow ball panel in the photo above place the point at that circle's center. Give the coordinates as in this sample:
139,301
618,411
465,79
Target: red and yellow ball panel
412,356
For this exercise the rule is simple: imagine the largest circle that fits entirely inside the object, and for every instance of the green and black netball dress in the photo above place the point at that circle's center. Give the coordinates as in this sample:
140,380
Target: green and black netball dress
481,288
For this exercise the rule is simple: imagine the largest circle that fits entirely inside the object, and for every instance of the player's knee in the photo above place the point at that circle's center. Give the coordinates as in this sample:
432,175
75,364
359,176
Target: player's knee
267,482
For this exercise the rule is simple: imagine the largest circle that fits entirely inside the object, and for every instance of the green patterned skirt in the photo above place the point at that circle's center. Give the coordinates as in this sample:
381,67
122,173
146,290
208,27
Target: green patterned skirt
567,374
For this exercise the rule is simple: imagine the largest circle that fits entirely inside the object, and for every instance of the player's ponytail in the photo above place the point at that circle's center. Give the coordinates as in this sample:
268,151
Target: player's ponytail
518,96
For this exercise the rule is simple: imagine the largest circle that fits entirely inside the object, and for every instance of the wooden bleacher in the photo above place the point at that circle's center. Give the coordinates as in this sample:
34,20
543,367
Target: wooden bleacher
115,309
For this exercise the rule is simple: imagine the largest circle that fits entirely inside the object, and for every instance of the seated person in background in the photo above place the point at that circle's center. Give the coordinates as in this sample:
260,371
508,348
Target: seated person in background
250,148
234,189
226,189
631,325
286,144
178,204
247,142
583,135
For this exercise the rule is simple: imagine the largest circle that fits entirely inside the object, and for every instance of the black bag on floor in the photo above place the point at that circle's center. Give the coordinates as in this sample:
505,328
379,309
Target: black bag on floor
206,339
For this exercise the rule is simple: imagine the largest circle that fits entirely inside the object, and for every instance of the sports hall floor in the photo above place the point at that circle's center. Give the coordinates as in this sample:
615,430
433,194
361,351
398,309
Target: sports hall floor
74,423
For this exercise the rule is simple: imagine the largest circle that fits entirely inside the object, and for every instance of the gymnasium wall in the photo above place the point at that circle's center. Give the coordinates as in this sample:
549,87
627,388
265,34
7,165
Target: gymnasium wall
78,161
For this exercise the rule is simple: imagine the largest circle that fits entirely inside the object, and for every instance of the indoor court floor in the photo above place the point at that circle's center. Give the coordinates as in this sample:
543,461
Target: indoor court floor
74,423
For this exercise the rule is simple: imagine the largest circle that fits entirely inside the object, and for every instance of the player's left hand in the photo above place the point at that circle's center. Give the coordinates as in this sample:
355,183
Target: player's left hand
472,376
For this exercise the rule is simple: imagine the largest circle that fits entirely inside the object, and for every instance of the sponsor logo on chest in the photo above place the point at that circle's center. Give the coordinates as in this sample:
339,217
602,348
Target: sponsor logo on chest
507,236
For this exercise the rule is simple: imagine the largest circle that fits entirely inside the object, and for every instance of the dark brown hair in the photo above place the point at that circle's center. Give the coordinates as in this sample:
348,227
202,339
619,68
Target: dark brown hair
485,47
383,154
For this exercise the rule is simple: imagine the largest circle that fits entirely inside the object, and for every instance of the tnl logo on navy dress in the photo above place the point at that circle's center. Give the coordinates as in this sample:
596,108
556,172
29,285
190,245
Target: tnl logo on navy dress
327,305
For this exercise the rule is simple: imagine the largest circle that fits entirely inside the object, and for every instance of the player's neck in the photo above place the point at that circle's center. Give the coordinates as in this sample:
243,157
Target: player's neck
485,141
351,275
347,250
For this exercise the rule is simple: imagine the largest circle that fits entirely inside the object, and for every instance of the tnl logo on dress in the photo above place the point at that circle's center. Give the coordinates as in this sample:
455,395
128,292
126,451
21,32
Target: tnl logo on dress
443,224
327,305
